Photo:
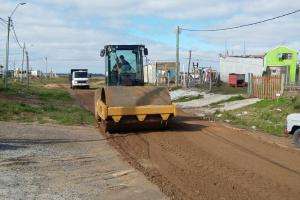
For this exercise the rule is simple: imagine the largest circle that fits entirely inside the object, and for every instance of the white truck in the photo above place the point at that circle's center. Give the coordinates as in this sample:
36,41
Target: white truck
293,127
79,78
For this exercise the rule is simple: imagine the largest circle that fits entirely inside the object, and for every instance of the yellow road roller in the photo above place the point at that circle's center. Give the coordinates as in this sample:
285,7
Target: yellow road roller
125,103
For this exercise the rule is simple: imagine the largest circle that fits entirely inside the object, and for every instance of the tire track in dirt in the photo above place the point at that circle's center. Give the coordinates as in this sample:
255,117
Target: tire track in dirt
201,160
218,137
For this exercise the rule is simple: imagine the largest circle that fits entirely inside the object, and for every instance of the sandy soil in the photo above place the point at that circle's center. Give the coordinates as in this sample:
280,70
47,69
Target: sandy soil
201,160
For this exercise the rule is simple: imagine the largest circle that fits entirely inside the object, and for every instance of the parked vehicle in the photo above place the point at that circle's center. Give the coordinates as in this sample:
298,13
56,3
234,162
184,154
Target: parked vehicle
293,127
237,80
79,78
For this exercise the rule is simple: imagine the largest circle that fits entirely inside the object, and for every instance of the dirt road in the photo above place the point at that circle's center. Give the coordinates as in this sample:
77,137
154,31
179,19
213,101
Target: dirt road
201,160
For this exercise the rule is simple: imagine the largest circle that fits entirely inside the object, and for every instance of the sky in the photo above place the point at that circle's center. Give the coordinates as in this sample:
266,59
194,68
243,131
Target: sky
71,33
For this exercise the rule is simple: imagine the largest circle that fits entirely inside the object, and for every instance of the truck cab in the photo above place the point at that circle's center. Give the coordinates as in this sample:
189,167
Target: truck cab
79,78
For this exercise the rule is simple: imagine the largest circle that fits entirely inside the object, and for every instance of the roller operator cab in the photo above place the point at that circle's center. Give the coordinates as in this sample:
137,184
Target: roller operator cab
125,102
124,64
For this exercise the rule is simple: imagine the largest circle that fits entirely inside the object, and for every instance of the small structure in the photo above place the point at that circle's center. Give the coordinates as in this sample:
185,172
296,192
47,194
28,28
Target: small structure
1,70
234,64
150,73
237,80
298,74
160,73
36,73
282,60
18,73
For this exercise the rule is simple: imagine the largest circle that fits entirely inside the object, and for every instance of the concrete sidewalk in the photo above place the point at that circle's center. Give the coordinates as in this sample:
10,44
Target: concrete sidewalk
59,162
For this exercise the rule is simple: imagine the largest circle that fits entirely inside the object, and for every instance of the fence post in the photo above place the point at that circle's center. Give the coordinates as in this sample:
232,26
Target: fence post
282,83
249,88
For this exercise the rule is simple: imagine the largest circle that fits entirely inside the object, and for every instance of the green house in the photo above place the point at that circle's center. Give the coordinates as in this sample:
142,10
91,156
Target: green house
282,60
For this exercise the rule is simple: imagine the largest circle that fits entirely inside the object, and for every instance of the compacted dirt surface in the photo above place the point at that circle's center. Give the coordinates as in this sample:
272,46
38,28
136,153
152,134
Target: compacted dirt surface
197,159
66,162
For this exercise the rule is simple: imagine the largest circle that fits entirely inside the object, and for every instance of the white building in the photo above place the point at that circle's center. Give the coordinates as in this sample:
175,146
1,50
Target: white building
1,70
150,73
160,72
36,73
18,73
241,65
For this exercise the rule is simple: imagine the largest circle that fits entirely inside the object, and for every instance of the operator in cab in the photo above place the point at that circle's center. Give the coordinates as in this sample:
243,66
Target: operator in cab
125,66
122,65
121,70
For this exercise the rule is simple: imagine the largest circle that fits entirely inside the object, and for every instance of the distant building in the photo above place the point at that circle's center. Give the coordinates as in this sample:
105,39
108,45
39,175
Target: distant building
277,61
150,73
160,72
298,73
241,65
18,73
282,60
36,73
1,70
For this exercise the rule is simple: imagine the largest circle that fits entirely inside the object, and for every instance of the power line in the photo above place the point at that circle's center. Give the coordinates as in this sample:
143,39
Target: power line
241,26
3,20
15,36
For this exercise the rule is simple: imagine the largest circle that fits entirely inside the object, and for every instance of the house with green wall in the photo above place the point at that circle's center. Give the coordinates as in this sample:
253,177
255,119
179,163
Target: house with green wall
282,60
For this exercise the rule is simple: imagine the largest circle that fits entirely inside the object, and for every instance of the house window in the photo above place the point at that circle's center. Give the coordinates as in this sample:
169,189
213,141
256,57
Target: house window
285,56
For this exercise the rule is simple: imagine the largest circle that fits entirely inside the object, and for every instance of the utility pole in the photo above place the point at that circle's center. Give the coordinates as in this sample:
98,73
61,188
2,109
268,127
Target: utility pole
46,62
210,77
177,55
188,72
7,44
27,70
23,57
7,53
13,76
183,70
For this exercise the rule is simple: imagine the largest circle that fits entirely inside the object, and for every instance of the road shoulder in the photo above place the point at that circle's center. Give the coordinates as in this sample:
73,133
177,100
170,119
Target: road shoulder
59,162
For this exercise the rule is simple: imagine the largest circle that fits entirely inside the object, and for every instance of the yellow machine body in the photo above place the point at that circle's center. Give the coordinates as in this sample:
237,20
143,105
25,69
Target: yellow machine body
118,102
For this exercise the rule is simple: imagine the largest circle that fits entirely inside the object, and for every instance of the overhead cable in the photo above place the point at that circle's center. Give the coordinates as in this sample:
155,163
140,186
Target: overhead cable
16,37
241,26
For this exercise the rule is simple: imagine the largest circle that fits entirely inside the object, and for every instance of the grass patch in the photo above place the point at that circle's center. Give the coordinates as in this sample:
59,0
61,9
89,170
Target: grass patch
188,98
225,89
40,104
53,95
97,82
267,115
173,88
296,102
234,98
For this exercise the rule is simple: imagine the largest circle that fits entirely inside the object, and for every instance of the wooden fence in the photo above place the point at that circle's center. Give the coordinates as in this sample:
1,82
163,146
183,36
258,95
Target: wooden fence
266,87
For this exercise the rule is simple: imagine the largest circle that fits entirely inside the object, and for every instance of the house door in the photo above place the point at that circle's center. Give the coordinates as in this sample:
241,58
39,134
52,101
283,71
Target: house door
279,70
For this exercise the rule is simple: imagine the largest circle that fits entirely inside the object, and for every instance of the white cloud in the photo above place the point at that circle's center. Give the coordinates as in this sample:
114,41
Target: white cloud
71,32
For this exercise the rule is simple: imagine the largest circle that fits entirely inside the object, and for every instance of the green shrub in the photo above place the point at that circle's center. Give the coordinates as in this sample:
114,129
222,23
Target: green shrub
296,102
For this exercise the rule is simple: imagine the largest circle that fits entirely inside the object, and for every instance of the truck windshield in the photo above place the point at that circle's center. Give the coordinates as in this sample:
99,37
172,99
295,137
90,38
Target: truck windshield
80,74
